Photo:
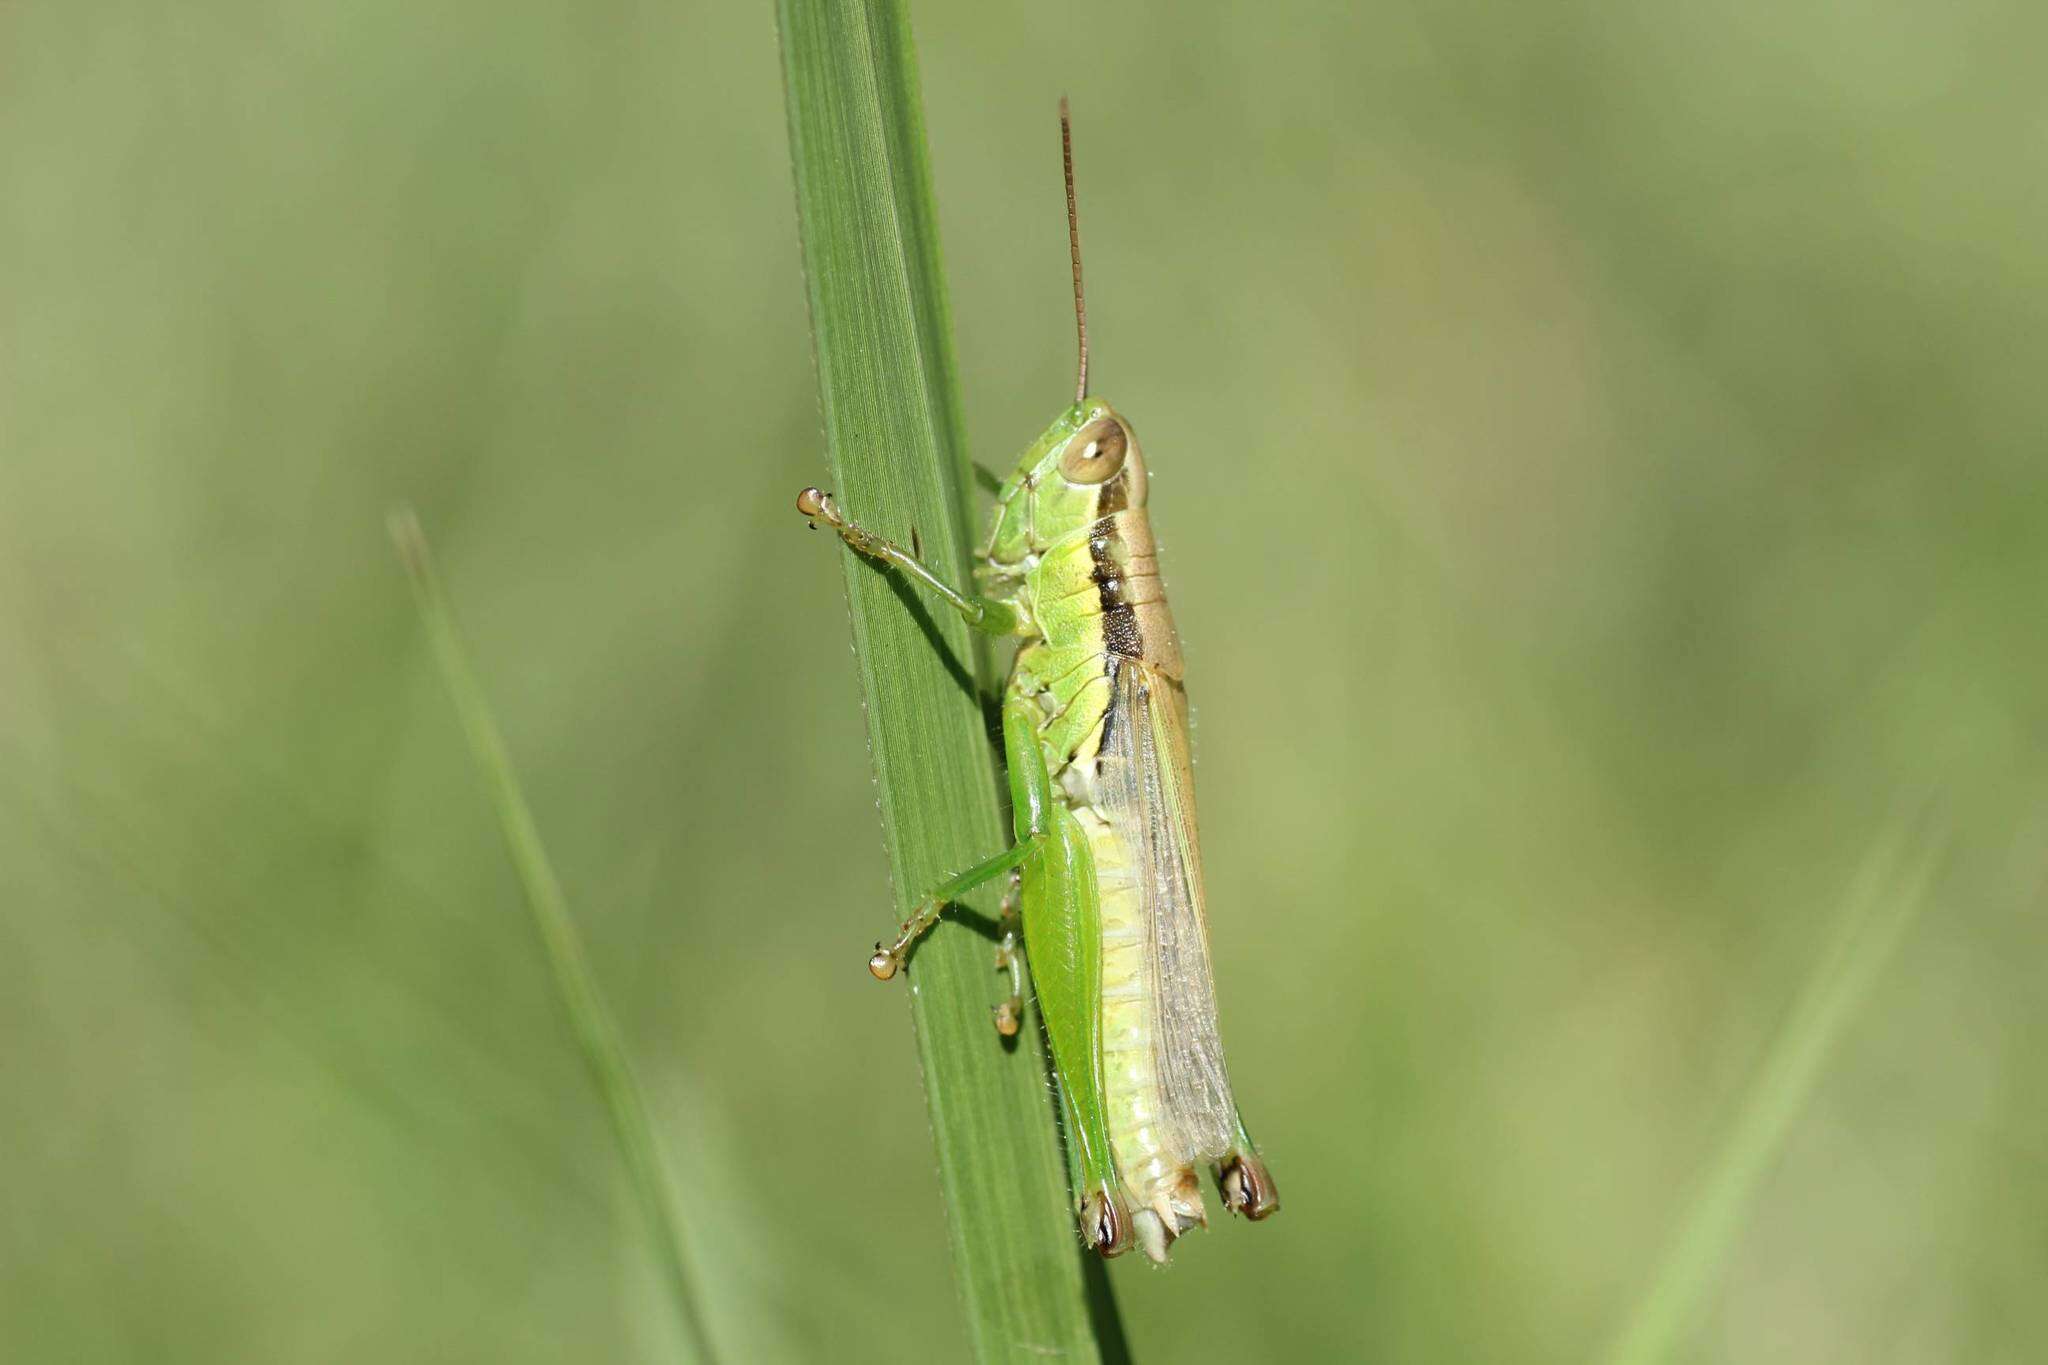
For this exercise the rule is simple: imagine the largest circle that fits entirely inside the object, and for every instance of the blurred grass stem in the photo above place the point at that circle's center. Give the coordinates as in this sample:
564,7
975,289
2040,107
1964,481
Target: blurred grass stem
1882,902
597,1034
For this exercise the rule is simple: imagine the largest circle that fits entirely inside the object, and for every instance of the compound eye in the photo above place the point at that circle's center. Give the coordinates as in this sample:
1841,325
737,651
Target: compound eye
1097,452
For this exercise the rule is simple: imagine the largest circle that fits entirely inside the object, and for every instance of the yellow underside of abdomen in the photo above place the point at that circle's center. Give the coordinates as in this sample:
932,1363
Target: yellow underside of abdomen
1138,1125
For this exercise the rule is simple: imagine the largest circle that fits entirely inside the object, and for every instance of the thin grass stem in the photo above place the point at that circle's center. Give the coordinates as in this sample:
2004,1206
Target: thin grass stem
590,1019
1881,905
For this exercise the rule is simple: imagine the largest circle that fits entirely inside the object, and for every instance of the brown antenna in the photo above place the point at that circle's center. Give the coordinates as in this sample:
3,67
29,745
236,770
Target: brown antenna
1074,250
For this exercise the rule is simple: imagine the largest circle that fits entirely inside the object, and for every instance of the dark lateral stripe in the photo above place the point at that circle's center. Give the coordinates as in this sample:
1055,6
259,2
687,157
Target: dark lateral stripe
1114,497
1110,719
1120,633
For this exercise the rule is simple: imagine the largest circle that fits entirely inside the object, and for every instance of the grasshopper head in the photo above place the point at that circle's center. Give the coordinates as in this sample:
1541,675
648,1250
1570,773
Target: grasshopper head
1084,467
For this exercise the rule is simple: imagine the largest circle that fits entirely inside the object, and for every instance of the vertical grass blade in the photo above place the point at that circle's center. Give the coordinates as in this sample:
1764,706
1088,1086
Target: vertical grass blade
589,1017
1881,905
892,427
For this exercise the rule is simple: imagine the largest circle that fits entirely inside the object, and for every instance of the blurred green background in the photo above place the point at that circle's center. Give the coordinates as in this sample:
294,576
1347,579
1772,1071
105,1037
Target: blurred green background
1598,456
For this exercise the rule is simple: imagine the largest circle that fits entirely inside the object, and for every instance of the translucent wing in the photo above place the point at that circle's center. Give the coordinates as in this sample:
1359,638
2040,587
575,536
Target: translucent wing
1145,790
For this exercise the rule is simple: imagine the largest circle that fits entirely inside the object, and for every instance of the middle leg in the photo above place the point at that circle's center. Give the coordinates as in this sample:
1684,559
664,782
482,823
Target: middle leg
1009,956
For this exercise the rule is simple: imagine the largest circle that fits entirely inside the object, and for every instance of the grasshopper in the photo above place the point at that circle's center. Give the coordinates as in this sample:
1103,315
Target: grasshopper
1106,871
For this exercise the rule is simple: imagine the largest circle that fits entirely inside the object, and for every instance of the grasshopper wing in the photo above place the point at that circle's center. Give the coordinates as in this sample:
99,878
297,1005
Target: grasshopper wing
1145,786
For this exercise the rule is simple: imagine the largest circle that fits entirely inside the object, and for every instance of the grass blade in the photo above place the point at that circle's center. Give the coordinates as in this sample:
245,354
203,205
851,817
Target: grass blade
1881,905
597,1034
885,377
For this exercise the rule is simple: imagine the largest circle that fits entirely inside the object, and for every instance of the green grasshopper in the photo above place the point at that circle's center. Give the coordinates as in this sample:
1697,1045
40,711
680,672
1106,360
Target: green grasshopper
1106,871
